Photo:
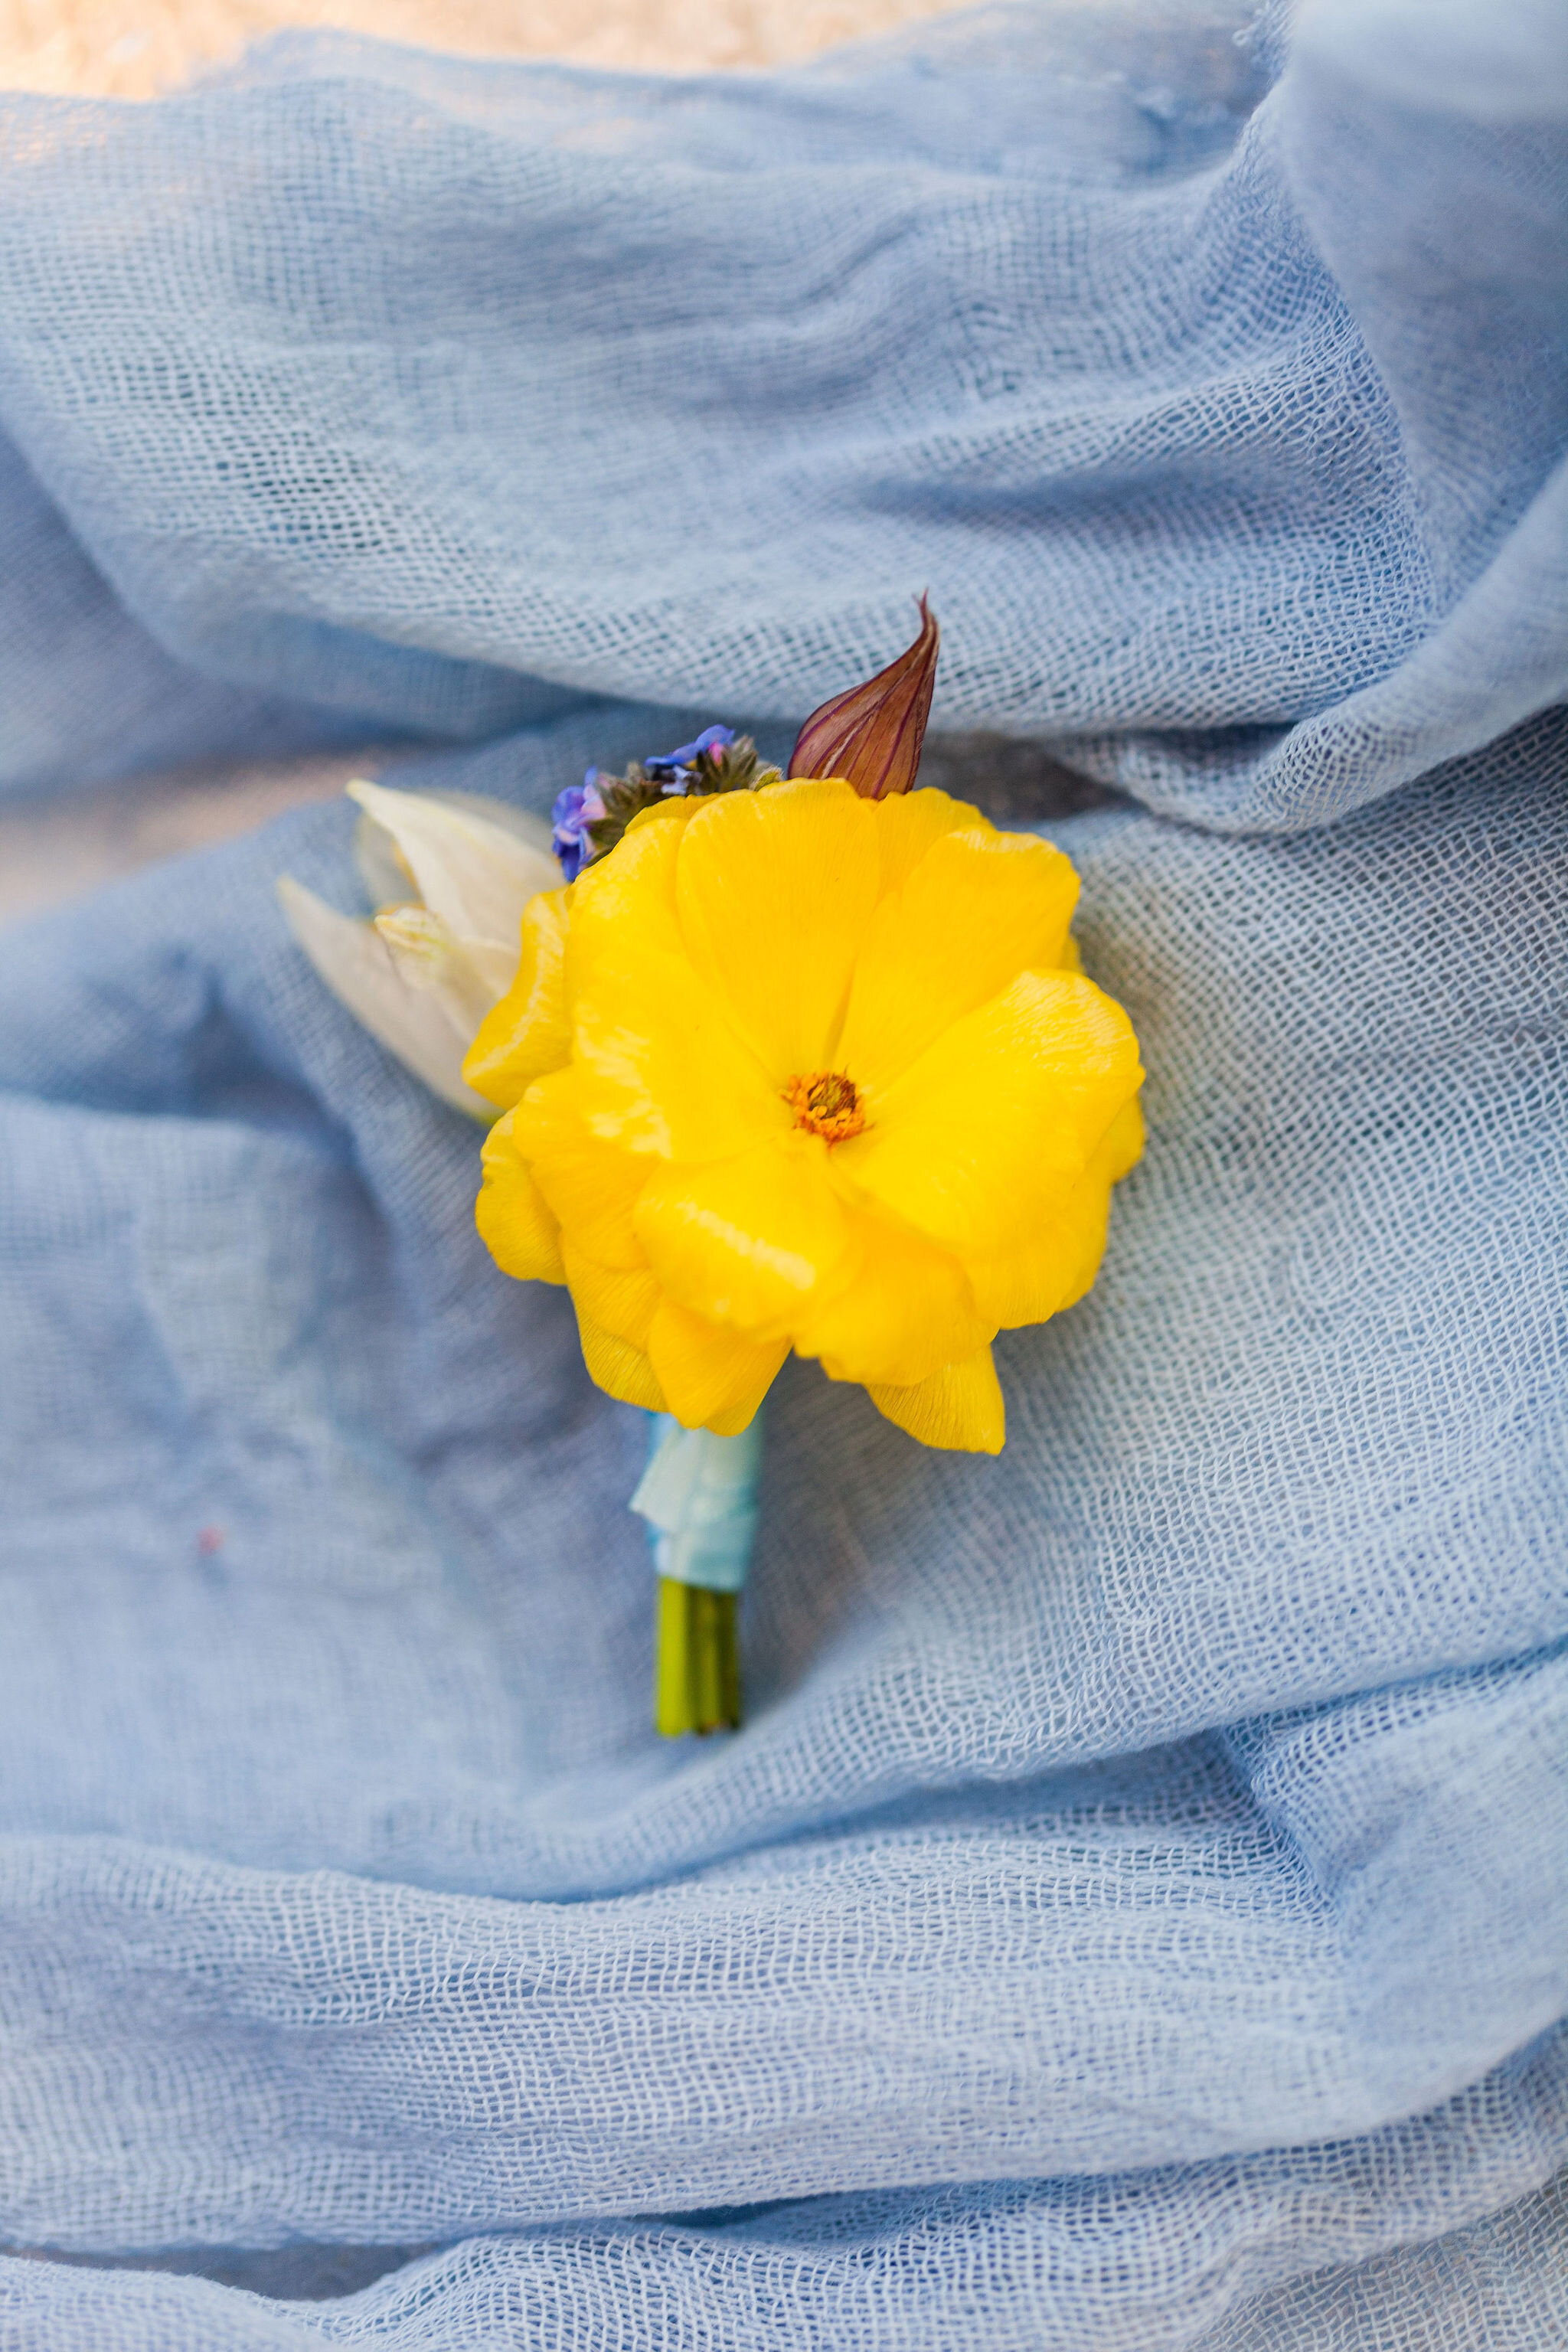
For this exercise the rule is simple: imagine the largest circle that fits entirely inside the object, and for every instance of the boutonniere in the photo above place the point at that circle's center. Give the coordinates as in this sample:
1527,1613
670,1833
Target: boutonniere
788,1063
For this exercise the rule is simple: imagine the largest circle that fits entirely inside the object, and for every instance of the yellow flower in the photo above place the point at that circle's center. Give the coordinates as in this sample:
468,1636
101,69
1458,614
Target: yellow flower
796,1068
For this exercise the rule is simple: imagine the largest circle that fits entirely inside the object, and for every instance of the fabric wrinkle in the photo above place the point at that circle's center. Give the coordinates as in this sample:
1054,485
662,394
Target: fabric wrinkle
1134,1917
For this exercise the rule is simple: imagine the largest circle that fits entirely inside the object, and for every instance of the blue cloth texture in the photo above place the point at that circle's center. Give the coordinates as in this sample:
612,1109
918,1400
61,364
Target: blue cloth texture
1135,1915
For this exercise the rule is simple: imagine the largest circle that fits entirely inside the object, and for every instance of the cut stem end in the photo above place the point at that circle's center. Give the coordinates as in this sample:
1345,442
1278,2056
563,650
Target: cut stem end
697,1661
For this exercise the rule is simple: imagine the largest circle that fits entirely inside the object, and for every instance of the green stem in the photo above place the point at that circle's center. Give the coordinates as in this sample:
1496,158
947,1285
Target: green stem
697,1670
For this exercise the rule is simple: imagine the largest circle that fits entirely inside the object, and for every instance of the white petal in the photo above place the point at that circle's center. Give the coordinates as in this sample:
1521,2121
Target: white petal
386,877
494,967
356,966
418,943
473,872
468,976
521,824
476,972
389,878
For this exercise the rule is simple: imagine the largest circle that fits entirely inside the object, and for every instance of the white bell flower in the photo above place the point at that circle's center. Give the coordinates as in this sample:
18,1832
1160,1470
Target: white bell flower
450,874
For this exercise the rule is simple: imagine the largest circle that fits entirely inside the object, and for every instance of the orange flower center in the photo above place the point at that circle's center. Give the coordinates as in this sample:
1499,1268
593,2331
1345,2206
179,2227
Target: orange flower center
826,1104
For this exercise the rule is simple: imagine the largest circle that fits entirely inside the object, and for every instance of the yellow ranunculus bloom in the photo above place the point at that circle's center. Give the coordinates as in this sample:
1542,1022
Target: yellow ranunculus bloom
793,1068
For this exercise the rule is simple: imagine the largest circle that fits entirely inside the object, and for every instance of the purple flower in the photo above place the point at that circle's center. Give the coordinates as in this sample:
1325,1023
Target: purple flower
673,768
576,809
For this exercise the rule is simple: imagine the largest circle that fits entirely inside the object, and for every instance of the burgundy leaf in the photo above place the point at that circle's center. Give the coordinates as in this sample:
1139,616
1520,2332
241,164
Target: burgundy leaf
872,734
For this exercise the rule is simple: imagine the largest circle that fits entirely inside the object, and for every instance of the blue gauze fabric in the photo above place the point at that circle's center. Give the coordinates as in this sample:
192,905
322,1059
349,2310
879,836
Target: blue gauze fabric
1135,1916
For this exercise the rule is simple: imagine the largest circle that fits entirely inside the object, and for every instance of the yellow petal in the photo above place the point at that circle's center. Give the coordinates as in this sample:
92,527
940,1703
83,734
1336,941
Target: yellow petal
775,889
1047,1269
959,1408
514,1221
978,909
712,1378
620,1299
1005,1107
1051,1267
1122,1146
907,1310
750,1242
677,811
907,825
635,886
661,1069
622,1371
527,1033
591,1186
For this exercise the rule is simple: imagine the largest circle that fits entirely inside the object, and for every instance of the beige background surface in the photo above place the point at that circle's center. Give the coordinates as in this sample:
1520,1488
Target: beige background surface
134,48
137,49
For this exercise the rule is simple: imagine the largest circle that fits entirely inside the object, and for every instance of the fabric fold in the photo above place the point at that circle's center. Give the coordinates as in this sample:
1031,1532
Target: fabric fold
1118,296
1134,1911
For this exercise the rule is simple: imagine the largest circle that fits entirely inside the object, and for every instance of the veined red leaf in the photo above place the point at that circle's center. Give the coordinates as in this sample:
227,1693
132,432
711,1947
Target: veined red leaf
871,735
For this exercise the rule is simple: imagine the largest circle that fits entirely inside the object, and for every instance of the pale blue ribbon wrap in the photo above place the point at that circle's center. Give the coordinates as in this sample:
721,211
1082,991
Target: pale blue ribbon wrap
699,1495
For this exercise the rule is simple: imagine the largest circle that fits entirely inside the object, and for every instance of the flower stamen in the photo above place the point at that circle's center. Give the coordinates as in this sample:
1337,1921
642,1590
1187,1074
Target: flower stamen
828,1103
